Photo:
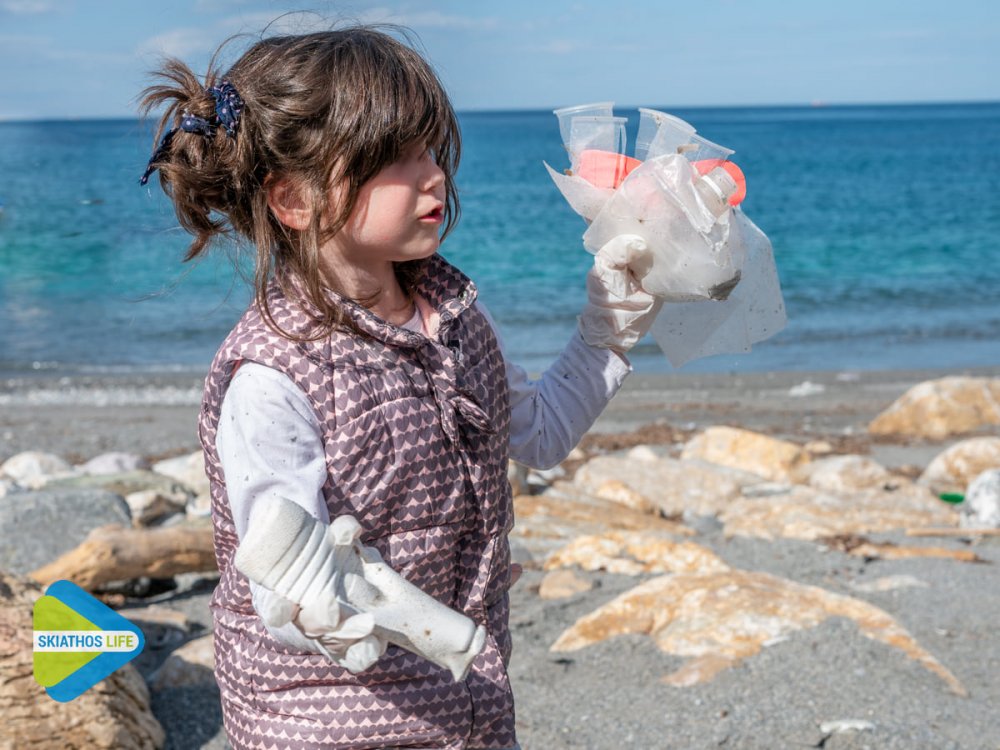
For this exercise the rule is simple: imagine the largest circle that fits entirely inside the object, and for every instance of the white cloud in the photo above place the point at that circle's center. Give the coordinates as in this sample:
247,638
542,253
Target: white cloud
426,19
27,7
182,43
560,47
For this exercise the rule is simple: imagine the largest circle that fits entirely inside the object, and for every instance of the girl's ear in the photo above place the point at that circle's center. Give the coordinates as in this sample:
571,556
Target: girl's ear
289,202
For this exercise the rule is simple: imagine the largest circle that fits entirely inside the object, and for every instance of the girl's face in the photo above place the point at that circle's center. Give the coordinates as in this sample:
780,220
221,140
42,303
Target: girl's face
398,215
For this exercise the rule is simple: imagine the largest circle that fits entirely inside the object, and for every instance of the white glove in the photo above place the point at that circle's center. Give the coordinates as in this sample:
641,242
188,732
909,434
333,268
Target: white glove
343,636
619,312
349,600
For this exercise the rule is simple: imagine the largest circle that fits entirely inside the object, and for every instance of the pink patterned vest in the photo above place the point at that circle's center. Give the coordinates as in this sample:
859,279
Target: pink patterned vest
416,438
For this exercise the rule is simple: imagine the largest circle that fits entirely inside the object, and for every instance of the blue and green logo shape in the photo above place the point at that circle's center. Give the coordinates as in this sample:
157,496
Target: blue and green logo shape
79,641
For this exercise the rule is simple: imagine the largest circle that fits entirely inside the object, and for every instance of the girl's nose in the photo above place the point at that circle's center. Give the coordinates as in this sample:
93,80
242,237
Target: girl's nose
434,176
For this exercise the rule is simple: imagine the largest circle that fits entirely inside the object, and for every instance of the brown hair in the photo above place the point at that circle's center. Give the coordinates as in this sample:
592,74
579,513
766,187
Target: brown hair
325,108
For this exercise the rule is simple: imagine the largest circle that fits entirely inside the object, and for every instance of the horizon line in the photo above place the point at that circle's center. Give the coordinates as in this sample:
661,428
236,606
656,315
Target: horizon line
817,104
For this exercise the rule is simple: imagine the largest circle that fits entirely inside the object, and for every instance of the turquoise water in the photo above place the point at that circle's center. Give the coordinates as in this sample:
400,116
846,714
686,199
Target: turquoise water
885,222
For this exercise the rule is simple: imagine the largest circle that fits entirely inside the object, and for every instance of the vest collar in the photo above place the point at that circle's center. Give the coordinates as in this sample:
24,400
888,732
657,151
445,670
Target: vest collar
447,291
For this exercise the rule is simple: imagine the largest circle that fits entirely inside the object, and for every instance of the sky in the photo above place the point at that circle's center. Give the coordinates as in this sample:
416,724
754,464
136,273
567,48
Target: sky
90,58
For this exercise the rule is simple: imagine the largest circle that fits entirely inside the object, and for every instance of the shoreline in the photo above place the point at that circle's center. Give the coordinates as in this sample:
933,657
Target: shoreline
155,414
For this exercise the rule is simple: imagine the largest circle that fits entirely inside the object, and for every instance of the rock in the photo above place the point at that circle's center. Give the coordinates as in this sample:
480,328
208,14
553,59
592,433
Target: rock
130,483
807,513
31,468
719,619
619,493
114,463
846,725
199,507
806,388
191,665
188,470
161,626
769,457
113,714
846,474
818,447
890,583
936,409
953,469
643,453
981,508
150,507
548,521
666,484
635,552
44,524
559,584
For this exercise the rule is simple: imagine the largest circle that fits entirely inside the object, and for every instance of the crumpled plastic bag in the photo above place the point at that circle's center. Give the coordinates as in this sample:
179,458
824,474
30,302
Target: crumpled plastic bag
712,265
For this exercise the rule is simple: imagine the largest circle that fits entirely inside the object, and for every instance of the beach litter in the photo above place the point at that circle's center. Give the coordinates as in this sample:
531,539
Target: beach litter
681,194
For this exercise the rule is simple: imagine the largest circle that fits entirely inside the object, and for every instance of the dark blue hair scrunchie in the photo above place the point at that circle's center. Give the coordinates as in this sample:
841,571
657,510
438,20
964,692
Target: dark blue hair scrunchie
228,109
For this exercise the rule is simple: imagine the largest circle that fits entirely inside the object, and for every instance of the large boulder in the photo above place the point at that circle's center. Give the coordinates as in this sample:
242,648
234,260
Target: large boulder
718,619
847,474
32,468
953,469
771,458
806,513
40,526
665,485
936,409
635,552
113,714
114,463
546,522
191,665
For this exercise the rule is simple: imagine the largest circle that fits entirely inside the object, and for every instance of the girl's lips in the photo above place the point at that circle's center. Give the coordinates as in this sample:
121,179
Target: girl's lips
436,216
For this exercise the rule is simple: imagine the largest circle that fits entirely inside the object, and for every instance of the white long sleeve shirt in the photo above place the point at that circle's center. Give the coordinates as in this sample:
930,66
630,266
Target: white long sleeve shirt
270,443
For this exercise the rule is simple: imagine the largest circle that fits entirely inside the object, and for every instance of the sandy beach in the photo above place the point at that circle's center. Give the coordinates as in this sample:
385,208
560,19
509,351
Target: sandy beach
823,686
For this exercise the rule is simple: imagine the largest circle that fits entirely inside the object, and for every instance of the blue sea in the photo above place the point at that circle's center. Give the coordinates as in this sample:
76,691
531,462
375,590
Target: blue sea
885,222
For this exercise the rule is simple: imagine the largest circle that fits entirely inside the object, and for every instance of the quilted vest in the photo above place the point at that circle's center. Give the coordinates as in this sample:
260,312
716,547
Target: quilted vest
416,435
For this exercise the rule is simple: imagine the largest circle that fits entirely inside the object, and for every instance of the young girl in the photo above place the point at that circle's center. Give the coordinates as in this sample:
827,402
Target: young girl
365,379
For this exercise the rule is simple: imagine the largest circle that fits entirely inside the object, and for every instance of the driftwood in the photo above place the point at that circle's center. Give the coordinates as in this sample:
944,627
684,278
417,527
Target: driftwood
113,553
113,714
952,531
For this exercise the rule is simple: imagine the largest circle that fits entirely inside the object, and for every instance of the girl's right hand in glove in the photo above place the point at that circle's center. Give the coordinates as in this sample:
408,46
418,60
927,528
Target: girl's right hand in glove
619,312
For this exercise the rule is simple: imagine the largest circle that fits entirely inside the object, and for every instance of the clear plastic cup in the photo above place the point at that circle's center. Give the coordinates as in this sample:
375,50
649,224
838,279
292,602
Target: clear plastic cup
595,134
701,148
660,133
566,115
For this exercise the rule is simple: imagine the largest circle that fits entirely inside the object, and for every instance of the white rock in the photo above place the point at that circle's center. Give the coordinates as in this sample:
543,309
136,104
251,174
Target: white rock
200,506
151,506
981,508
189,470
114,463
643,453
846,474
30,467
806,388
846,725
890,583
